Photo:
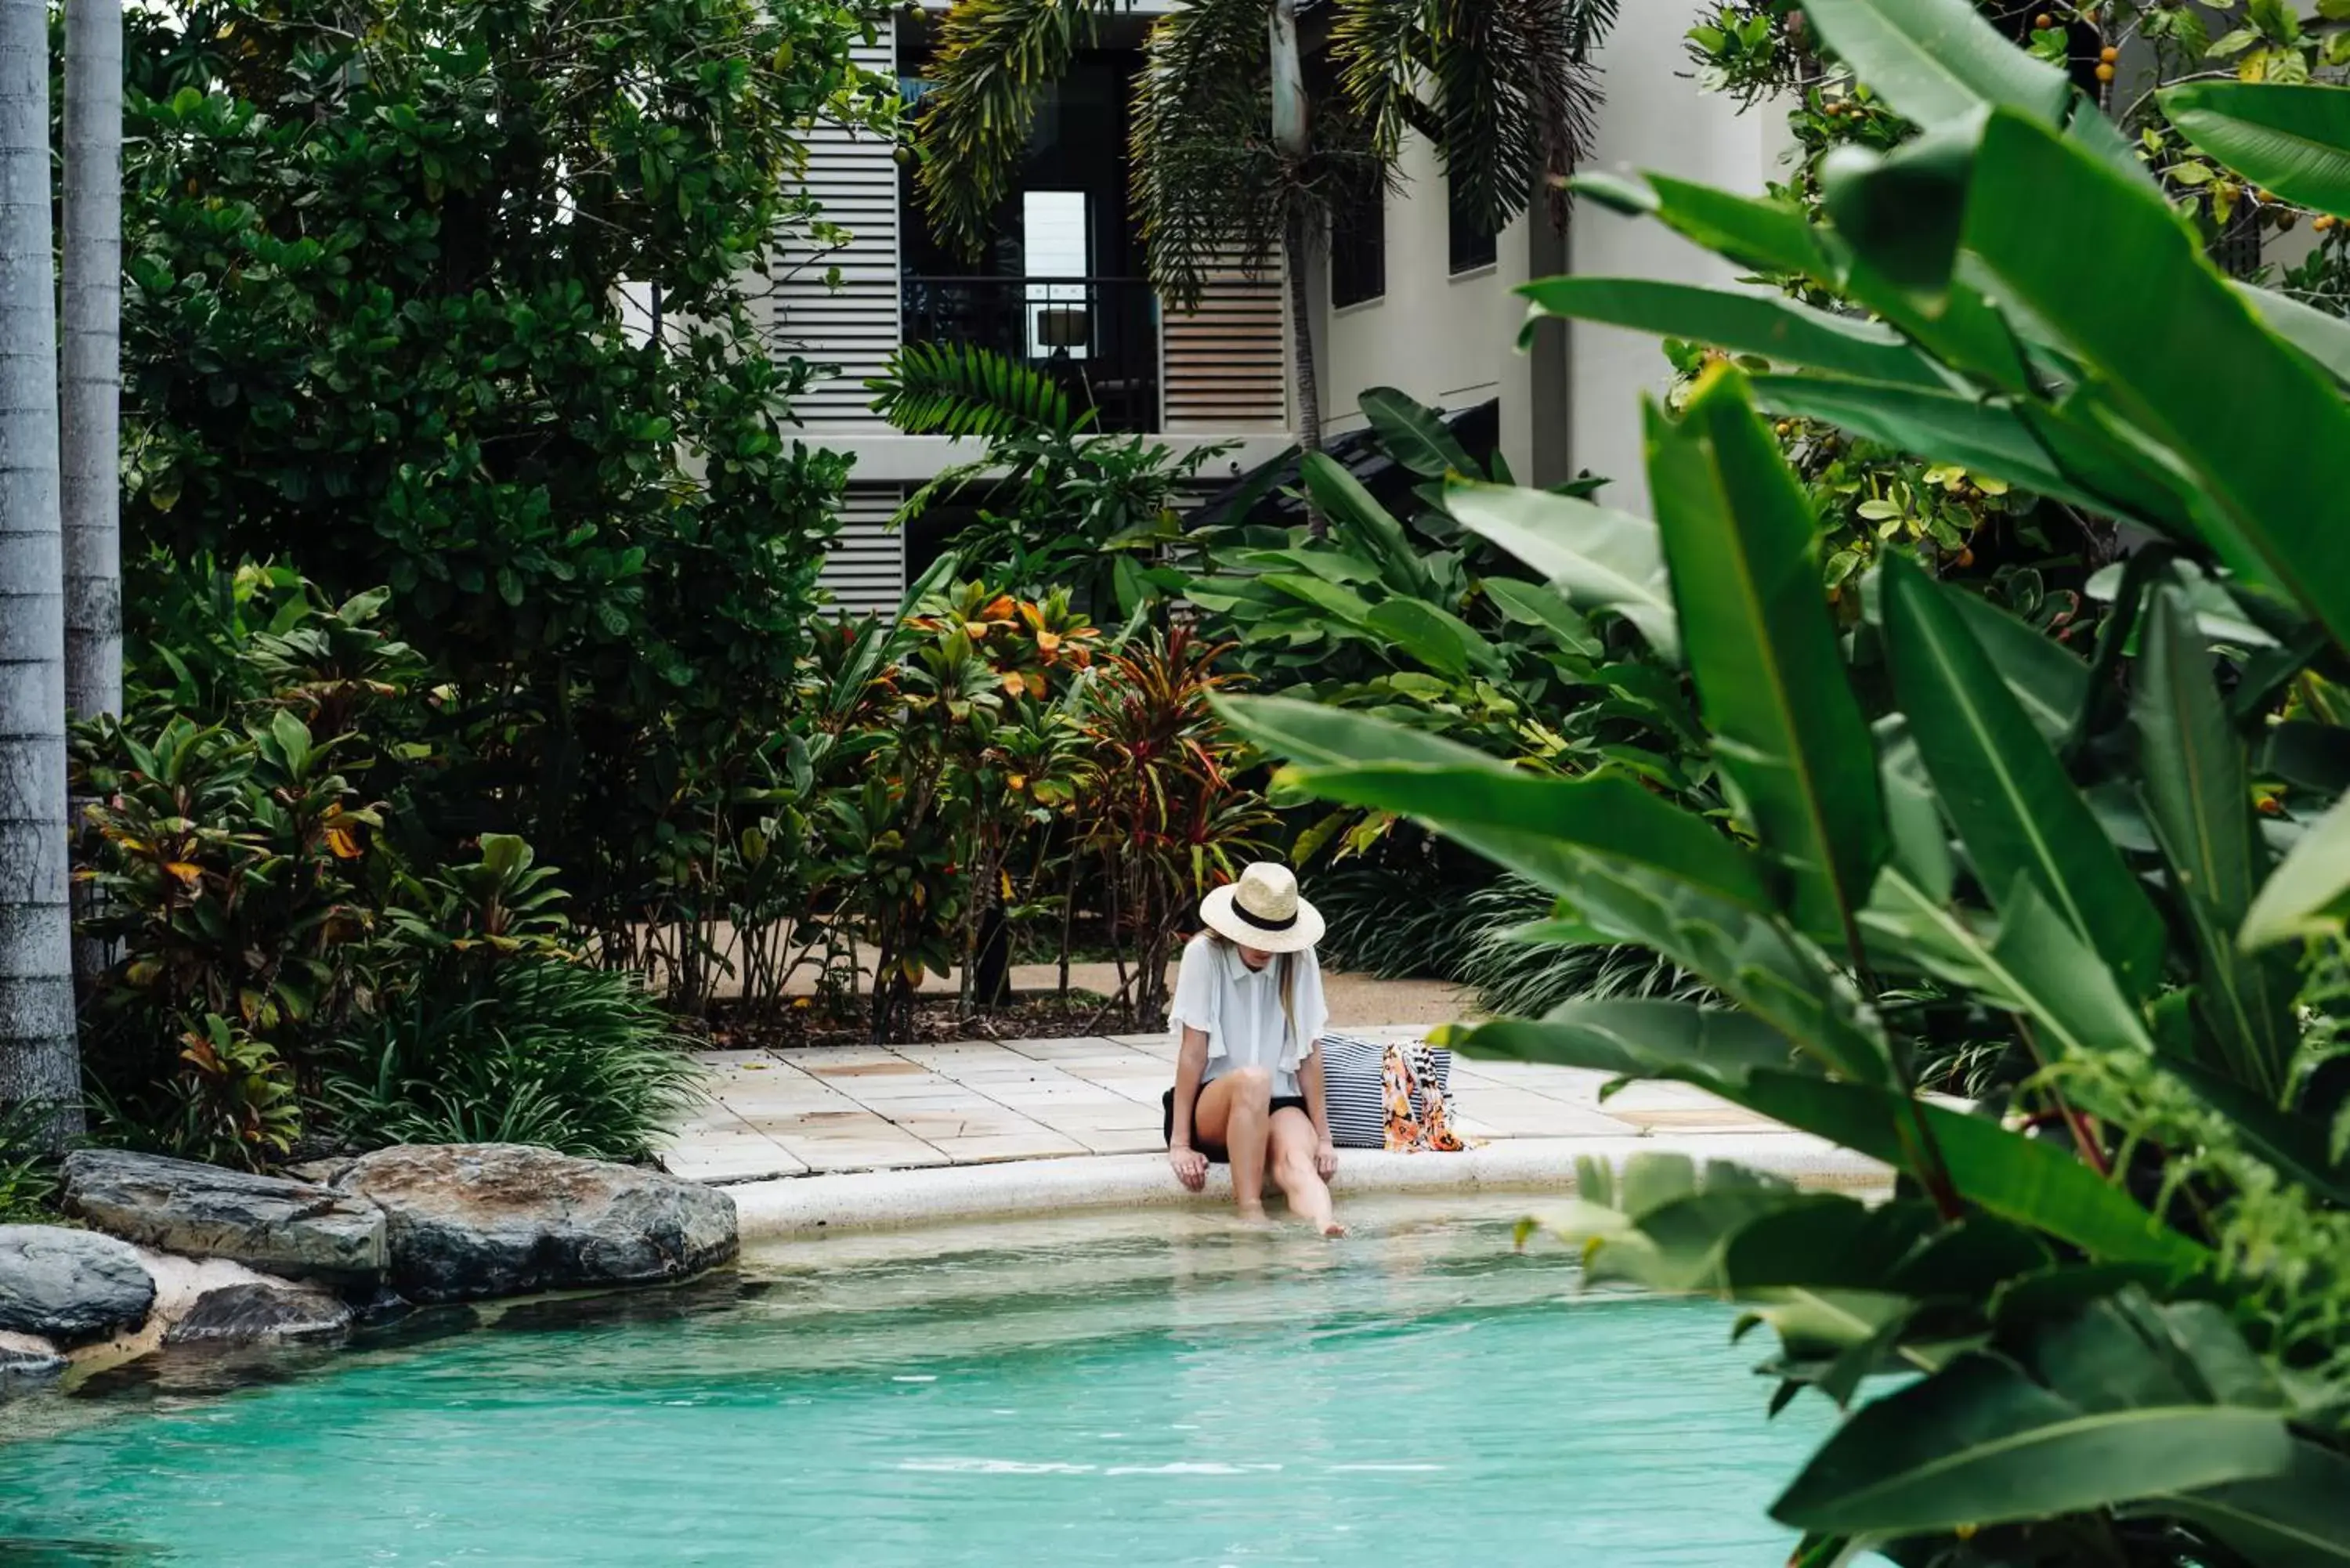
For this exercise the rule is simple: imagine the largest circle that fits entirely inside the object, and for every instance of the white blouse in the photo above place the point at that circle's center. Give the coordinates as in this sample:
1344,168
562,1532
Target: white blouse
1239,1010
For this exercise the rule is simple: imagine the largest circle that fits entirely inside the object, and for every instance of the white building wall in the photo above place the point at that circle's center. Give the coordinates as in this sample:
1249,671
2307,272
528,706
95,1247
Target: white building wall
1447,340
1572,404
1656,119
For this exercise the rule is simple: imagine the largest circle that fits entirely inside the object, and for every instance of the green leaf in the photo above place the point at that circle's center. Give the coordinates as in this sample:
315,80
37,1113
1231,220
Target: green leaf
2034,1183
1937,60
1741,542
1414,435
2048,679
2309,895
2263,430
2292,138
1436,637
1752,960
1531,604
1598,557
1918,843
1323,595
1765,235
1543,826
2002,787
1984,435
1637,1039
1538,825
2323,336
1981,1443
1778,329
2198,788
2292,1519
1352,510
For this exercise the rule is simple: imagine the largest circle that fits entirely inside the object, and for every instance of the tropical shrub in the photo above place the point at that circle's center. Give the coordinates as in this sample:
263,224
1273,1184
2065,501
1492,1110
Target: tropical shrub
1869,491
2102,1317
1161,806
272,914
530,1049
378,327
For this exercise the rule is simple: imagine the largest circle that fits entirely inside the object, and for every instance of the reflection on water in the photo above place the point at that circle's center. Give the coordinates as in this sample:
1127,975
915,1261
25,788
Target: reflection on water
1129,1390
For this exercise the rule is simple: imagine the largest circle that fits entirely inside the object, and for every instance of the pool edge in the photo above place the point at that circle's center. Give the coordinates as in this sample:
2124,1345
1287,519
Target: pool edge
802,1205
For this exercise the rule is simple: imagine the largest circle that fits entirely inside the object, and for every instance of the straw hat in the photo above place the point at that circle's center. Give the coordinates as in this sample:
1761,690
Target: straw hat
1262,911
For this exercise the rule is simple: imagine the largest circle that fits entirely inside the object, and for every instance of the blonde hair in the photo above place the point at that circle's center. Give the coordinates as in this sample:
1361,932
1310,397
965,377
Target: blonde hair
1286,976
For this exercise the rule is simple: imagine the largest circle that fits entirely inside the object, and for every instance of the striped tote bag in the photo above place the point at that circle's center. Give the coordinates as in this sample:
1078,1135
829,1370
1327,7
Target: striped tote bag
1354,1078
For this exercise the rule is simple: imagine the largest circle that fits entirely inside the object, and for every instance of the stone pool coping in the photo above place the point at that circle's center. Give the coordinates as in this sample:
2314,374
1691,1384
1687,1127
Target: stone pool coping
1538,1166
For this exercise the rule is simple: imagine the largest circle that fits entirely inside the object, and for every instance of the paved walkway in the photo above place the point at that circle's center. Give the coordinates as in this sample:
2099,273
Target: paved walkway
822,1110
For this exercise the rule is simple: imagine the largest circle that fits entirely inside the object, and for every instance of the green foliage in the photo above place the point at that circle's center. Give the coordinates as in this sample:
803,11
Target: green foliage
1228,164
2111,1289
376,327
1162,809
269,923
531,1049
29,1181
1065,507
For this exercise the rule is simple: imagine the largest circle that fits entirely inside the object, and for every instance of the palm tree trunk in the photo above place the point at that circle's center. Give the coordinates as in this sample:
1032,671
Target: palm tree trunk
90,394
39,1060
90,391
1292,136
1295,240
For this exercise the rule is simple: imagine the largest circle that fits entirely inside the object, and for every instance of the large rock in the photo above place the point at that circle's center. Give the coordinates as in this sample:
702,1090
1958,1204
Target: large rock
69,1285
469,1220
27,1359
295,1228
247,1310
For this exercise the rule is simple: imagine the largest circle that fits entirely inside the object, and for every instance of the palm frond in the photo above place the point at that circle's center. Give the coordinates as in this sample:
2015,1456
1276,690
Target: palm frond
994,61
1517,94
1209,186
963,389
1380,47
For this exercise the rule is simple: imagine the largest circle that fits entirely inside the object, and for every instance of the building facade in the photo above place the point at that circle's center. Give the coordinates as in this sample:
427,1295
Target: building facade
1408,296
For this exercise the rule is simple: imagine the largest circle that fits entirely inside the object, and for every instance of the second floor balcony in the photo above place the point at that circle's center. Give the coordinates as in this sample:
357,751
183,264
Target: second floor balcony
1112,348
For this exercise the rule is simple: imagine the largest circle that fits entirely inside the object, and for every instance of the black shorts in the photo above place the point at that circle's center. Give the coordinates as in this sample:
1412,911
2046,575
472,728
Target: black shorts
1215,1152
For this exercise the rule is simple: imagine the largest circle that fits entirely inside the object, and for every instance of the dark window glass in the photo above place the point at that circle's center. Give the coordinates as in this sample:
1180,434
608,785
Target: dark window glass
1358,250
1470,241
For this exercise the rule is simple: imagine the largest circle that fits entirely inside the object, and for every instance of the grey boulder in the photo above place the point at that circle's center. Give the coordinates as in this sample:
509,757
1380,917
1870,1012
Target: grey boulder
471,1220
70,1285
250,1309
295,1228
27,1359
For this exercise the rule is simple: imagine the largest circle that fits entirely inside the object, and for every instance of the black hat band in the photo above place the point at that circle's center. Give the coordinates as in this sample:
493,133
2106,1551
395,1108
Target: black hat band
1261,923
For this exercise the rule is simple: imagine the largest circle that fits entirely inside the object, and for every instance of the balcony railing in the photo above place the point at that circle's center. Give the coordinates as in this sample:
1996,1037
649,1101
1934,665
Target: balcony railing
1097,337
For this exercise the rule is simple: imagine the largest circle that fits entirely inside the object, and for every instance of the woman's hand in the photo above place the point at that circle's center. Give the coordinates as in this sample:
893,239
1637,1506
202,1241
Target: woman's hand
1325,1159
1191,1166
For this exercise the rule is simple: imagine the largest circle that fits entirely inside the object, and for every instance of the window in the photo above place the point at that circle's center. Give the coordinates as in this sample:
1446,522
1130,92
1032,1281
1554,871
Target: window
1359,249
1053,234
1470,242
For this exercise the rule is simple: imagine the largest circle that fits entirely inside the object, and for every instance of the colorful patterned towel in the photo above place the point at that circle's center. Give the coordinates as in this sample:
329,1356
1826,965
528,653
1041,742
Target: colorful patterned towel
1420,1109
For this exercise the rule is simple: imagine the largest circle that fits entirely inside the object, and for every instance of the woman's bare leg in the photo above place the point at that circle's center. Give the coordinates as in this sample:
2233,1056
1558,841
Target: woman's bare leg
1233,1111
1293,1169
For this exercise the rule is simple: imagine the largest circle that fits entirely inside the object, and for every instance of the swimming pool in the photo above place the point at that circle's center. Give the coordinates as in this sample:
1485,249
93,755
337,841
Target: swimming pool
1130,1390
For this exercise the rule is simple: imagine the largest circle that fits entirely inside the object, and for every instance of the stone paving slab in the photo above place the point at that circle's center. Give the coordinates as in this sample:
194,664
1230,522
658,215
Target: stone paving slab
839,1110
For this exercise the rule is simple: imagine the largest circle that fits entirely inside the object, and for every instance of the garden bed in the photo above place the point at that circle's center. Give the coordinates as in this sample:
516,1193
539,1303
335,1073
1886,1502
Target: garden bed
807,1021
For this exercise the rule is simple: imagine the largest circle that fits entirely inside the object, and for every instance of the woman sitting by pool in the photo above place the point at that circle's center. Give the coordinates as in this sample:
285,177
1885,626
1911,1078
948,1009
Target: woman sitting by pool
1248,1079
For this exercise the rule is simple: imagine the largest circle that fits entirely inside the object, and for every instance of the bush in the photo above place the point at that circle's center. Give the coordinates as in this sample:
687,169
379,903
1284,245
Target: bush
290,968
374,329
1398,923
533,1050
27,1167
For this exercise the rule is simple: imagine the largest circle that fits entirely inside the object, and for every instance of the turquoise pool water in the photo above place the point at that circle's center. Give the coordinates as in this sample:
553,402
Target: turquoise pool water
1133,1391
